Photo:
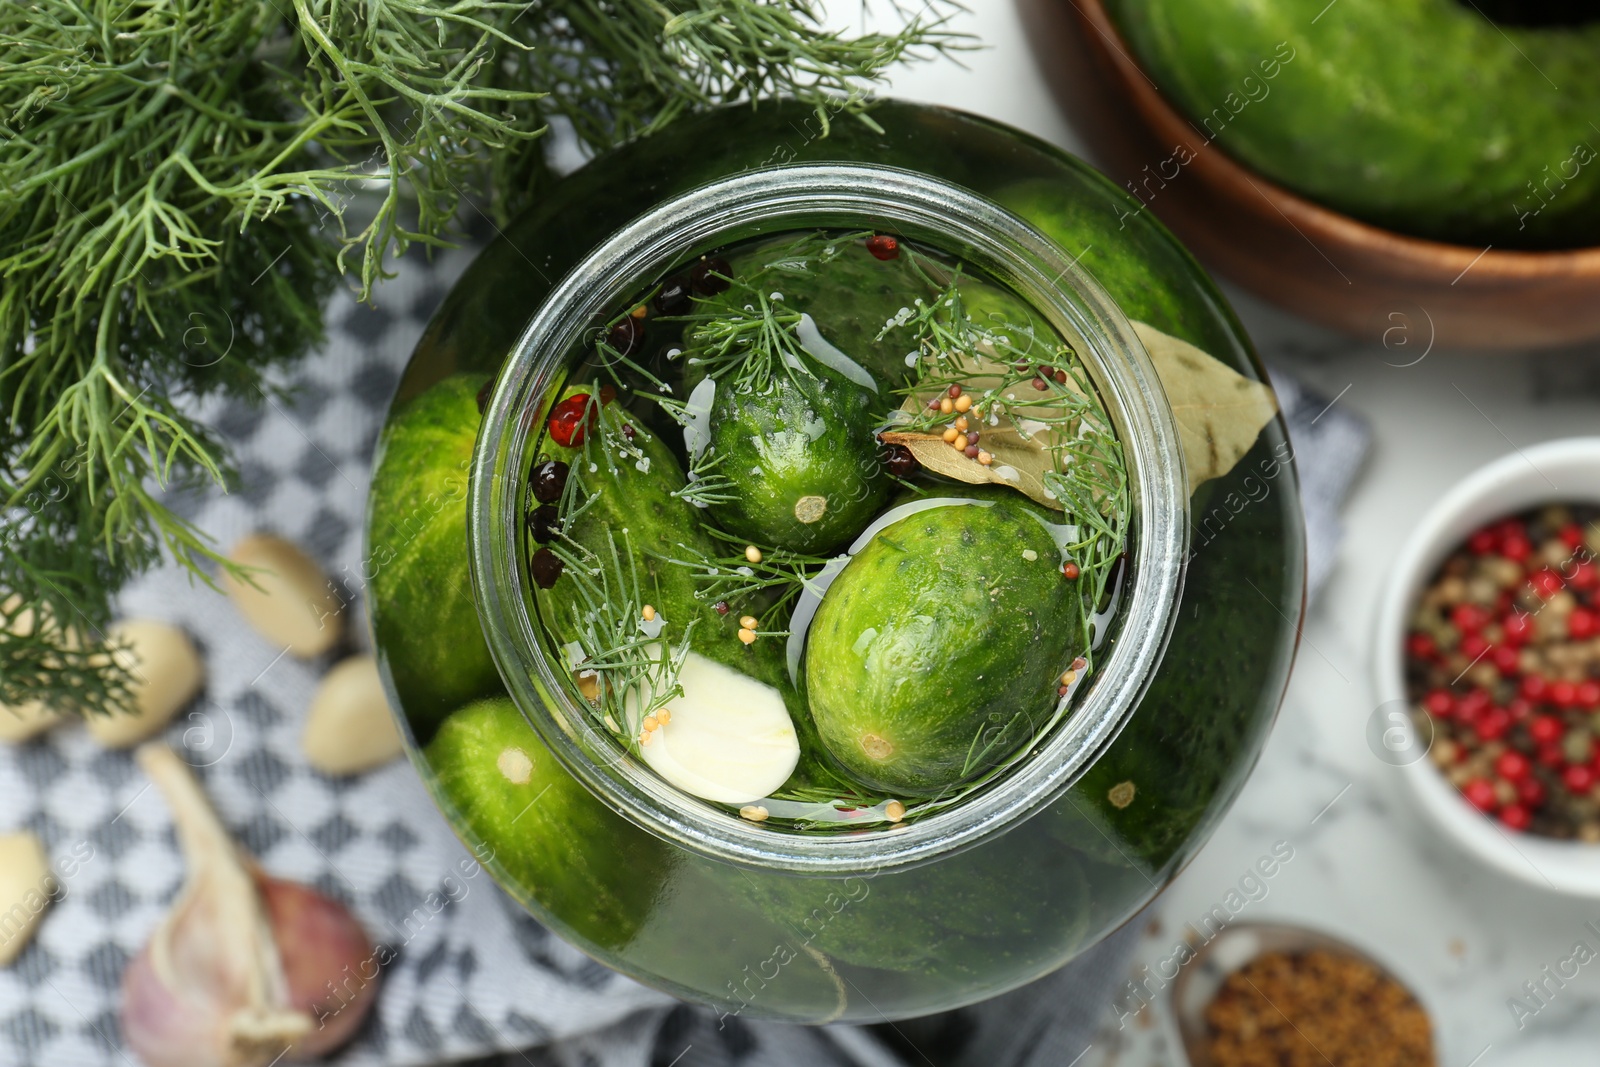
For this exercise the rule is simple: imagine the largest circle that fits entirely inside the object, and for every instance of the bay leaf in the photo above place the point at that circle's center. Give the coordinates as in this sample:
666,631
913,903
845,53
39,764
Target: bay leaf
1020,456
1220,412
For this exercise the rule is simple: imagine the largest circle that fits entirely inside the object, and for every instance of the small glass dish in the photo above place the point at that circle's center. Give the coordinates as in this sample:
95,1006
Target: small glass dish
1198,983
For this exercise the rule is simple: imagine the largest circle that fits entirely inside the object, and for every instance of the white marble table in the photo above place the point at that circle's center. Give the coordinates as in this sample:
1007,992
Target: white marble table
1364,868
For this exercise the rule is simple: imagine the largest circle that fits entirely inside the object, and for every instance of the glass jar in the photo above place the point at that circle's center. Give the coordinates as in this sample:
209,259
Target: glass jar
889,922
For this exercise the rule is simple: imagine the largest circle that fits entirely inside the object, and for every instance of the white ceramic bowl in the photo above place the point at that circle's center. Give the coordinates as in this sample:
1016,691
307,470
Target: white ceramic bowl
1564,471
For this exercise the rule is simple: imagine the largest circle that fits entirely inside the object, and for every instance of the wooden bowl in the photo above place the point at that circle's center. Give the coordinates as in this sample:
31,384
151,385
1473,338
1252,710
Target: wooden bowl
1369,282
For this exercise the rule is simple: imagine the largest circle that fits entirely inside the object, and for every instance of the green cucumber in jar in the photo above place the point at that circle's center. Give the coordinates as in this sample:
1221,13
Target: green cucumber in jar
799,463
424,617
634,485
555,844
938,649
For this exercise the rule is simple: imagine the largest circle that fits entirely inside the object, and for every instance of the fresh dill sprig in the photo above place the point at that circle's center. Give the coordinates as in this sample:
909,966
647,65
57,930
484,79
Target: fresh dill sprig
635,672
180,182
745,336
779,573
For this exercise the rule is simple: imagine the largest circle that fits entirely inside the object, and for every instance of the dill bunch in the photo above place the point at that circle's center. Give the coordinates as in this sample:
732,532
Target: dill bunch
180,183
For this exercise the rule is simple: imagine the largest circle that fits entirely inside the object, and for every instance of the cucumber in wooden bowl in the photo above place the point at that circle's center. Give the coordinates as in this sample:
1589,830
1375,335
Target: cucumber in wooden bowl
1457,121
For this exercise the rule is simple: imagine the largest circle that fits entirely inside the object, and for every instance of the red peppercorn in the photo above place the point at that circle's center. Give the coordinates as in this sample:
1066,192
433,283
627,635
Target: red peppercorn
1513,766
1520,709
1515,816
1584,576
1038,383
571,420
884,247
1534,687
1468,618
1482,542
1579,778
972,437
1515,547
1061,377
1589,695
1474,647
1517,627
1545,729
1563,694
608,393
1421,646
1582,624
1069,571
1546,583
722,607
1480,794
1572,534
1440,703
1551,756
1531,792
971,451
954,391
1505,659
1492,724
1475,702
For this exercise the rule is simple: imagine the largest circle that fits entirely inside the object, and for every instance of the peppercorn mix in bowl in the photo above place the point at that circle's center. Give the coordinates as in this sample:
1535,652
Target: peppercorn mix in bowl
1489,644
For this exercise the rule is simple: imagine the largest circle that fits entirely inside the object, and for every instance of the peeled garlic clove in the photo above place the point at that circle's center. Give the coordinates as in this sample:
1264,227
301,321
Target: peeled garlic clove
236,971
728,739
19,724
22,722
167,673
350,728
25,892
294,605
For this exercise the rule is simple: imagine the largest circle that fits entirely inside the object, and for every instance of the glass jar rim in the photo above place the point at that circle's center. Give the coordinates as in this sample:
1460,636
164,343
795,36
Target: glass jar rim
850,196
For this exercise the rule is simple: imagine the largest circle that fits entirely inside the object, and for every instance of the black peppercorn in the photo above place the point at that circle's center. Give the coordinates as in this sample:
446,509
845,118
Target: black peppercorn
626,335
900,462
544,523
673,299
545,568
710,276
548,480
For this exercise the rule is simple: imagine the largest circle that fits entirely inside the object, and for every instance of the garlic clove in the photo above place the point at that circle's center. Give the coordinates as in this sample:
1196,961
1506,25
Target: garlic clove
24,723
729,738
233,973
292,603
332,973
26,888
349,728
167,672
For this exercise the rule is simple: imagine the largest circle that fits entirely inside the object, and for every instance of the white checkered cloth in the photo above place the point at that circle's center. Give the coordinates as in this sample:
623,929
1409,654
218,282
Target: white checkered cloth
474,977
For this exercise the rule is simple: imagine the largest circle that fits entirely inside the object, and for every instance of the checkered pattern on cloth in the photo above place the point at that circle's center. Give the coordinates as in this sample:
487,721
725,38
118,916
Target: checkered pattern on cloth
475,976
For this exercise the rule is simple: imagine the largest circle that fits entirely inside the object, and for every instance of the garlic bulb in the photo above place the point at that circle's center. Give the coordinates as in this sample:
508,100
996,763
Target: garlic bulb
243,969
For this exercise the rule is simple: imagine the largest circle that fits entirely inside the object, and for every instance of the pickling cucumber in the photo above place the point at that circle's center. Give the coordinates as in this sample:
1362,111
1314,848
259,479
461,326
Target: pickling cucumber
937,650
424,616
580,864
802,466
